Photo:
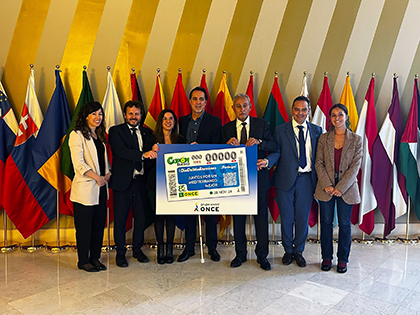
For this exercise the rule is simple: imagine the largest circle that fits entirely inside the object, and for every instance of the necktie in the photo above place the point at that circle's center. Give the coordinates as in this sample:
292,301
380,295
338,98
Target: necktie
138,166
243,133
302,149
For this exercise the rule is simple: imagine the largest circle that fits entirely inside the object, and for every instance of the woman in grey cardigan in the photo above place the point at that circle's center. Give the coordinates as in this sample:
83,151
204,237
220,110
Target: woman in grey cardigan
338,159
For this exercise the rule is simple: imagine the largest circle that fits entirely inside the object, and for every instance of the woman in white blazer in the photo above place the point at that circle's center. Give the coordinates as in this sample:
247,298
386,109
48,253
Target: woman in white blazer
89,187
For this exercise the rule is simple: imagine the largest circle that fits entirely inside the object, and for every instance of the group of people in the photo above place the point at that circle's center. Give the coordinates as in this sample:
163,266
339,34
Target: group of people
307,164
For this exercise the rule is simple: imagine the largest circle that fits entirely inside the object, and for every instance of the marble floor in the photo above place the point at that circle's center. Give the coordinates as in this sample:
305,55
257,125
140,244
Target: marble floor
381,279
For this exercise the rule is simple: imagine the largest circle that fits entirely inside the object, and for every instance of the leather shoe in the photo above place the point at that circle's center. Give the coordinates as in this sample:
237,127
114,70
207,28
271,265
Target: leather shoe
141,257
185,255
121,261
96,263
214,255
300,261
342,269
264,264
326,265
287,259
87,267
237,261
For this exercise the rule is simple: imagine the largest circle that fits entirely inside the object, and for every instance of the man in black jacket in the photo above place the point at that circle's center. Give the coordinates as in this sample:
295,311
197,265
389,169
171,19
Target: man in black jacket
203,128
131,146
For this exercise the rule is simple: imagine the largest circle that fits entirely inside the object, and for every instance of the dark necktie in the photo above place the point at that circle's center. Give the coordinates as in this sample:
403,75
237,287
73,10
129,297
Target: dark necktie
138,166
302,149
243,133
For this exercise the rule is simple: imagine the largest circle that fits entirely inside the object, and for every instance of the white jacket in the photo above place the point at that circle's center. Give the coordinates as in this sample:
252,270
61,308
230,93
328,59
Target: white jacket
84,157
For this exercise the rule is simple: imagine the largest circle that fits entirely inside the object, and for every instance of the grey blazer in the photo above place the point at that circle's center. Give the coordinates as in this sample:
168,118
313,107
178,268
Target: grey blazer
351,159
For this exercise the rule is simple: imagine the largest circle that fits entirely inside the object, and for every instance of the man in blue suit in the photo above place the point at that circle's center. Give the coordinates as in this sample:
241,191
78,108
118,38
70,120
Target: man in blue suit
203,128
251,131
295,178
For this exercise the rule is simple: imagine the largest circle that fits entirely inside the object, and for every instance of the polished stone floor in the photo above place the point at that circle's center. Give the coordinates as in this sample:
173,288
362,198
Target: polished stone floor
381,279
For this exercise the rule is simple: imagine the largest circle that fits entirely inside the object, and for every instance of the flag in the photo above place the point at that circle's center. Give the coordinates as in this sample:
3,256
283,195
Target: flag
367,128
275,113
408,152
347,99
390,194
157,105
223,105
66,164
305,92
46,151
28,199
250,93
203,84
324,105
136,96
8,131
180,104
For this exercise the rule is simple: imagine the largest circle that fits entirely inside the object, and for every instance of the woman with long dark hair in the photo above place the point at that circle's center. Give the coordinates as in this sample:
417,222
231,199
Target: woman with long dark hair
89,186
166,132
338,158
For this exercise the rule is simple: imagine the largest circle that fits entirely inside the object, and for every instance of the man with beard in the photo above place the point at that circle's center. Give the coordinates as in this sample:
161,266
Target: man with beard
131,146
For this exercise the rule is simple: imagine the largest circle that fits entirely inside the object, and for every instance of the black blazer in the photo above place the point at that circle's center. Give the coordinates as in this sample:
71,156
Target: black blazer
209,131
125,153
258,130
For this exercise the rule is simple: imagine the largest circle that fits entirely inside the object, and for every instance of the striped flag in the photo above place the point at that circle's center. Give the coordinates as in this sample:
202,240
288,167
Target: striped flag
347,99
47,150
324,106
8,131
203,84
367,128
250,93
28,199
180,104
387,181
408,152
275,113
223,105
157,105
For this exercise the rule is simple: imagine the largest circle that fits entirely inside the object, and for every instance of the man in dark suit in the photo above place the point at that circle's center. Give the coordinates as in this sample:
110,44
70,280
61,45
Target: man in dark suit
203,128
295,178
131,146
251,131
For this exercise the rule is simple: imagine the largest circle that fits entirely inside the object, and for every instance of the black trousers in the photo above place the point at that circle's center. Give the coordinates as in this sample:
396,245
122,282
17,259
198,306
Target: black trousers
89,222
261,228
134,197
191,231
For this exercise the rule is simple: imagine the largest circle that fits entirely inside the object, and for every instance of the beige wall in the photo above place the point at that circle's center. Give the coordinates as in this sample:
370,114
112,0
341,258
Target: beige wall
290,37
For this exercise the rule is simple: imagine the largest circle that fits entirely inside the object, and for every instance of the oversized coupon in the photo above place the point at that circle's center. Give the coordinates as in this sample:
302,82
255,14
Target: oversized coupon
206,174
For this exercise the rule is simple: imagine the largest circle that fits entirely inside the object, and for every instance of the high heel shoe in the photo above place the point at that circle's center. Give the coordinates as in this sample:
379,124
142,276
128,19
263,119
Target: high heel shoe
161,254
169,253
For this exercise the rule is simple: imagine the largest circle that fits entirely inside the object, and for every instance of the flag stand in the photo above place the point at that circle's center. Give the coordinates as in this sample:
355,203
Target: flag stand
108,247
201,239
408,240
32,247
363,240
57,248
251,241
274,241
6,248
317,240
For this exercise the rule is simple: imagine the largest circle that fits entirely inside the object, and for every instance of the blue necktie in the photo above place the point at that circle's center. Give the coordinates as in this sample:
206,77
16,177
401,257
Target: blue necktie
302,149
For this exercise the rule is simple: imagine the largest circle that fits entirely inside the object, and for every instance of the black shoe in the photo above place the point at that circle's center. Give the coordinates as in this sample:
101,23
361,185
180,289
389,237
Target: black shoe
140,256
287,259
185,255
342,269
326,265
264,264
87,267
169,258
96,263
160,254
121,261
237,261
214,255
300,261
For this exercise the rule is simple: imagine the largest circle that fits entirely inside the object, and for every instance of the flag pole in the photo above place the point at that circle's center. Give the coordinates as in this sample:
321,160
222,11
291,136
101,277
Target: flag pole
201,239
6,248
408,240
